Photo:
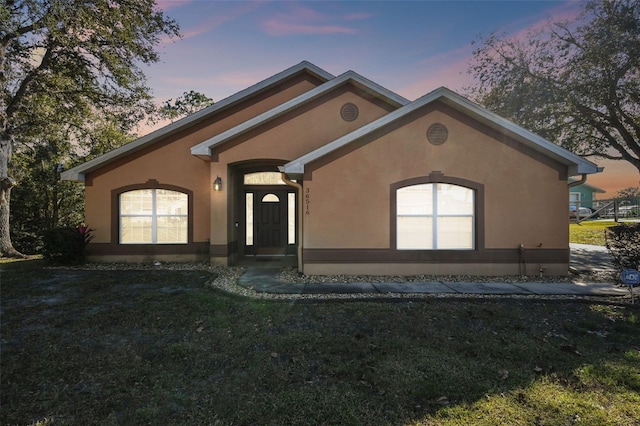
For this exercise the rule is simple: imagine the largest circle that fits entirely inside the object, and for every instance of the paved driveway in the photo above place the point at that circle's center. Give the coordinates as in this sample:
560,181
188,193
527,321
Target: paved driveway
585,257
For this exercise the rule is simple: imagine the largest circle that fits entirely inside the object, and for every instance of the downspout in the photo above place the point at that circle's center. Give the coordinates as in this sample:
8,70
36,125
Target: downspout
300,217
582,180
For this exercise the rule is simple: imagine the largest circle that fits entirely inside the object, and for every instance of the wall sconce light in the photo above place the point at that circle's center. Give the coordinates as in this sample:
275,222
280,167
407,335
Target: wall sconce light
217,184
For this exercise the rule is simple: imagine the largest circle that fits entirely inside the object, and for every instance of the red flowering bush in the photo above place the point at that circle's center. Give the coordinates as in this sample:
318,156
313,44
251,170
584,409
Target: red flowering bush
66,245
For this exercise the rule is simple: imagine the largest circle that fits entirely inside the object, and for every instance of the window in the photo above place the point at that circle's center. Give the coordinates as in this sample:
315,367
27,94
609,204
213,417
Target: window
263,178
154,216
435,216
574,200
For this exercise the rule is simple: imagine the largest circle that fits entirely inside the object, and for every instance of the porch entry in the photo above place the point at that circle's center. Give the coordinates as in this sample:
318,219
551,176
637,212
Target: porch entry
270,215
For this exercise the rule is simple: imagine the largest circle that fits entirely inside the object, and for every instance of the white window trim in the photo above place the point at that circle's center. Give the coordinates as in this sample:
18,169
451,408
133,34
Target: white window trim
434,219
154,218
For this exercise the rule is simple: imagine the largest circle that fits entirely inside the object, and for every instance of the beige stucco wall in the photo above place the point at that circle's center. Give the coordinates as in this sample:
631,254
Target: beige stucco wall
525,198
285,139
168,165
170,162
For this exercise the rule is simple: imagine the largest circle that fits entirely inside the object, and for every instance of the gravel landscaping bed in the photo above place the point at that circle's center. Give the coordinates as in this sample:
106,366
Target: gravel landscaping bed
293,276
226,279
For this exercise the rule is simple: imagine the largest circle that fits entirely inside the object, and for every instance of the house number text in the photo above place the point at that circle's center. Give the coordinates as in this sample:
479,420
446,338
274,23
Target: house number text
307,201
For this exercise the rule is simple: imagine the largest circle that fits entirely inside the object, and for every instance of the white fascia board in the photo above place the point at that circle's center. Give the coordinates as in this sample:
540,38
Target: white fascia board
297,166
77,173
575,163
204,148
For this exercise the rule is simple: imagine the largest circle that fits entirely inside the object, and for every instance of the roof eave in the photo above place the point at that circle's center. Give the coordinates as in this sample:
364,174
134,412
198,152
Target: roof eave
576,165
204,148
77,173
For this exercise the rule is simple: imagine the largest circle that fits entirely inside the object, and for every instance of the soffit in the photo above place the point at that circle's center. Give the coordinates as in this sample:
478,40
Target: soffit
576,164
77,173
205,148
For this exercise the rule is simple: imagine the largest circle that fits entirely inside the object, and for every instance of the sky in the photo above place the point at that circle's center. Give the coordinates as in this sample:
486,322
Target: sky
408,47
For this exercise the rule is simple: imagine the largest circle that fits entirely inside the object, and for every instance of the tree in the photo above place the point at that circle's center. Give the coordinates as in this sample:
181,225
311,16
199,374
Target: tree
576,82
183,105
42,202
66,65
629,195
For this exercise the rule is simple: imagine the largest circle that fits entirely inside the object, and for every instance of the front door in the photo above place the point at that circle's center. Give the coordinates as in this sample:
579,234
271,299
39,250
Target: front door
270,212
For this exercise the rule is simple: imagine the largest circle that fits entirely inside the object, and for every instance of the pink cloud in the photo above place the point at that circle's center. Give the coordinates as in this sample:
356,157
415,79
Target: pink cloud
206,27
564,12
447,69
303,20
166,5
220,18
216,86
450,69
277,28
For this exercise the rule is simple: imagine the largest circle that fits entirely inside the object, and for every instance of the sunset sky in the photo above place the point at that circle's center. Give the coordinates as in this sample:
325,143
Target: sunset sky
409,47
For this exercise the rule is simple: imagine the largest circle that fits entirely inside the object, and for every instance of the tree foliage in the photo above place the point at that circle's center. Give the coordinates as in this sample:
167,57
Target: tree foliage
630,193
623,242
185,104
575,82
71,82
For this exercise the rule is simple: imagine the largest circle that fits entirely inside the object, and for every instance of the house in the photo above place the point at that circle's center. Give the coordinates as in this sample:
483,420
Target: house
342,173
582,194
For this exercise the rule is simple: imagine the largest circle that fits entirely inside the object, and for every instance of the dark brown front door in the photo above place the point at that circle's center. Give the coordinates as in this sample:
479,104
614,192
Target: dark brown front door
271,222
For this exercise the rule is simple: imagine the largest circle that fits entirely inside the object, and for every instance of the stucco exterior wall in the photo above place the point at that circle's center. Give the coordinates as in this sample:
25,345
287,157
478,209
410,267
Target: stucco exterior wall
350,195
285,139
170,162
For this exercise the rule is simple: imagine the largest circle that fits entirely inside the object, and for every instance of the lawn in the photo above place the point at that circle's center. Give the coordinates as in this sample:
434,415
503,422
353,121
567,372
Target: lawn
589,232
161,347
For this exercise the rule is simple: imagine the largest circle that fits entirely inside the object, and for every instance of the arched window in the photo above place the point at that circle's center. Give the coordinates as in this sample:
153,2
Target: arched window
435,216
153,216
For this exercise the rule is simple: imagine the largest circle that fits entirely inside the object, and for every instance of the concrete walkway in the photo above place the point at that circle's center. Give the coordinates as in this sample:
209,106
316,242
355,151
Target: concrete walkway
583,258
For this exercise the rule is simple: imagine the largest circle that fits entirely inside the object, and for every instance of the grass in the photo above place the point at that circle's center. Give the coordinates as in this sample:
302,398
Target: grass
160,347
589,232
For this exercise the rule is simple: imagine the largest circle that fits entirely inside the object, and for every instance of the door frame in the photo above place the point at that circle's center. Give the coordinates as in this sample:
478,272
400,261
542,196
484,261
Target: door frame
282,192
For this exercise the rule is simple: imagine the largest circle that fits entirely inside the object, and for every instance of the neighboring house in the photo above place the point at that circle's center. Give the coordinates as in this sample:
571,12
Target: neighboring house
582,195
344,174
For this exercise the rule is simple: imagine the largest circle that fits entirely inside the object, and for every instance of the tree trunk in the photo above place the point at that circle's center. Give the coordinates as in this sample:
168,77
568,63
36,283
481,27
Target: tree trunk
6,247
6,183
6,146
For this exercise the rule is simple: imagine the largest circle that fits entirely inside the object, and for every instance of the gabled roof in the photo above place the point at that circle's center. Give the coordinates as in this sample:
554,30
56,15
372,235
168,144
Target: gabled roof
77,173
587,186
575,163
349,77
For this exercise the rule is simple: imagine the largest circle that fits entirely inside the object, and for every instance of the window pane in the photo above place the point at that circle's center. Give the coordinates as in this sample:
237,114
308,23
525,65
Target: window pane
454,199
455,233
292,218
137,202
249,221
449,224
171,202
135,230
270,198
263,178
171,229
150,216
415,200
415,232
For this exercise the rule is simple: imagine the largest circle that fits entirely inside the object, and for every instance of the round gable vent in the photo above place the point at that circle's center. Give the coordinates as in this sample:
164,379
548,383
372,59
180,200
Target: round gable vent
437,134
349,112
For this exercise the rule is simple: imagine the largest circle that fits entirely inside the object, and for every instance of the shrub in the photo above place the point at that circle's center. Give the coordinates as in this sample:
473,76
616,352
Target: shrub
623,242
66,245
